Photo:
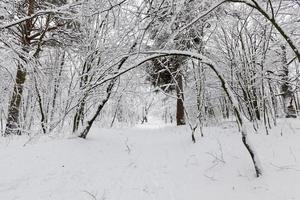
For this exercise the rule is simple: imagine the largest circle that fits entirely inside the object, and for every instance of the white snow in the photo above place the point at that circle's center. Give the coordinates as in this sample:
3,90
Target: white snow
154,162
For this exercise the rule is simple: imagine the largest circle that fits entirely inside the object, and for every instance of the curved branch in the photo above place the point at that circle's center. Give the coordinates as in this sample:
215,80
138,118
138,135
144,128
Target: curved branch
273,21
225,86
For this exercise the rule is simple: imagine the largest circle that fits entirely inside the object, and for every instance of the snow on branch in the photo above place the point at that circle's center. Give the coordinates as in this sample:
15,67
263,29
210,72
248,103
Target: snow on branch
154,55
59,10
212,8
234,102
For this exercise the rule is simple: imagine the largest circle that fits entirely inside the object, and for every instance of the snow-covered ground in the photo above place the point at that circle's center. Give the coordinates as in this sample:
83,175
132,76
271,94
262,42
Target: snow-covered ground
152,162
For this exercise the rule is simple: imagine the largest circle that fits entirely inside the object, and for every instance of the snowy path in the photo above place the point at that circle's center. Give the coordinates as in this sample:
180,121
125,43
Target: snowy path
148,163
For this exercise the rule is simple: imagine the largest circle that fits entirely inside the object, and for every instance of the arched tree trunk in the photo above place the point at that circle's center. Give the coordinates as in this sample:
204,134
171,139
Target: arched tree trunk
271,18
226,88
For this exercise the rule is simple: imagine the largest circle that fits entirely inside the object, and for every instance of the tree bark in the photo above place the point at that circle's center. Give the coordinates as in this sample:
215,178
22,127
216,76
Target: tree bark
287,93
12,124
86,130
180,118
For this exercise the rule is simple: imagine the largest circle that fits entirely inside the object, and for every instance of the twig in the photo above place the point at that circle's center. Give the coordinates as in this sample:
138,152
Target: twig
91,195
127,146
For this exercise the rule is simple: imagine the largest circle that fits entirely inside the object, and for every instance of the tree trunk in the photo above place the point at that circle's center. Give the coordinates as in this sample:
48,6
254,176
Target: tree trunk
287,93
109,88
89,124
57,81
79,116
180,119
12,124
40,104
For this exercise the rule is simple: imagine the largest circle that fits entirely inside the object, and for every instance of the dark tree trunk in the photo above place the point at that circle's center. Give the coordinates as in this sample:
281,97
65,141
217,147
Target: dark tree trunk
287,93
79,116
40,104
84,81
239,118
109,88
255,103
12,124
57,81
180,119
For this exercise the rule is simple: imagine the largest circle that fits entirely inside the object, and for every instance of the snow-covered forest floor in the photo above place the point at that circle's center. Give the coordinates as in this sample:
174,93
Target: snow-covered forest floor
153,161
